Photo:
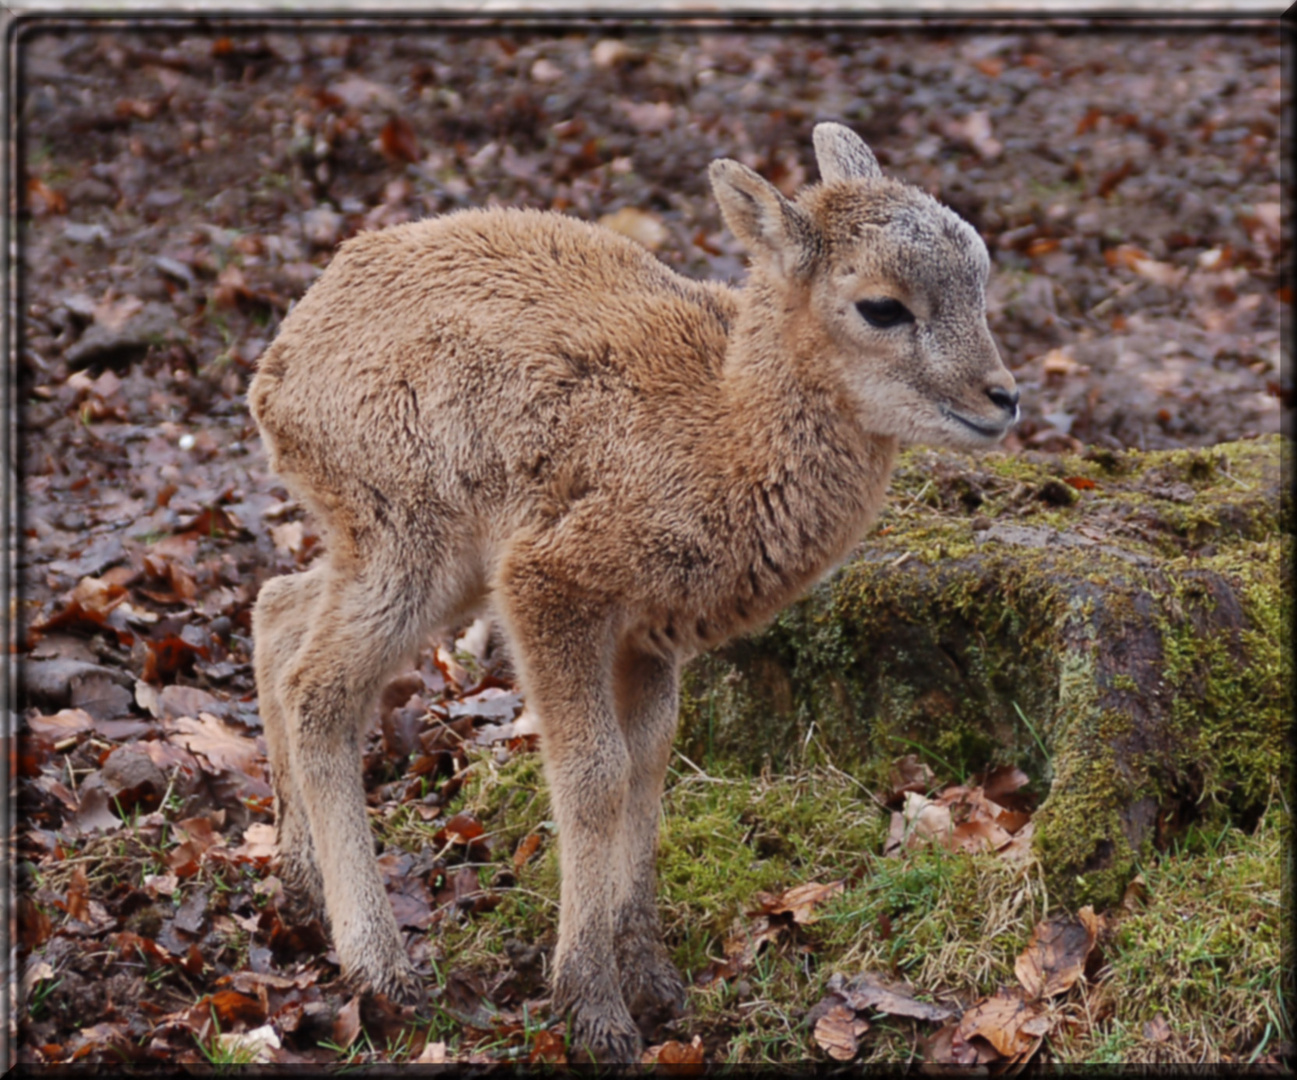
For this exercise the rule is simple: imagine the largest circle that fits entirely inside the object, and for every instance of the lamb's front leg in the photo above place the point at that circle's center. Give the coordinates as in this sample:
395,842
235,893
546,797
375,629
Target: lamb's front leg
647,689
564,650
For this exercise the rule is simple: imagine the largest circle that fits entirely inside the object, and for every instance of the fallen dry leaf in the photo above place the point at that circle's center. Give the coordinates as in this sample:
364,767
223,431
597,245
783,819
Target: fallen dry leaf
979,834
289,537
62,724
909,773
102,696
101,1038
434,1053
777,913
648,116
1018,849
1264,222
1059,362
869,991
231,1007
77,904
451,669
398,141
249,982
1002,782
34,926
677,1058
1135,894
357,92
610,53
1159,273
1112,179
1055,956
959,818
463,828
221,745
946,1046
347,1024
838,1032
197,836
1157,1029
741,948
44,199
258,843
526,849
547,1047
94,812
974,131
800,901
546,71
167,654
411,901
231,287
160,885
922,820
174,701
35,971
91,601
200,831
256,1047
1124,255
1011,1025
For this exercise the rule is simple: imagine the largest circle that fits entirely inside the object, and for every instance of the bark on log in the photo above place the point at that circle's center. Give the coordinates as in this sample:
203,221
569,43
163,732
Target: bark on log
1116,624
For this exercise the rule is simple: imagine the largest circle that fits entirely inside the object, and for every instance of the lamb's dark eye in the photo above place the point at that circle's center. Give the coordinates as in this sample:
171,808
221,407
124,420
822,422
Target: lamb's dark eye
882,314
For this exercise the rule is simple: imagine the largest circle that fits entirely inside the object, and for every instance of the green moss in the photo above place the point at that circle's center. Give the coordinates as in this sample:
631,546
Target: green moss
1078,831
1233,693
1207,950
727,837
938,918
511,796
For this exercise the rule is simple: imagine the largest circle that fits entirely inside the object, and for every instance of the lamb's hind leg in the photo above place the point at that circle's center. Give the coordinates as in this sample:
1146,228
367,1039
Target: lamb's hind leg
647,706
364,624
280,620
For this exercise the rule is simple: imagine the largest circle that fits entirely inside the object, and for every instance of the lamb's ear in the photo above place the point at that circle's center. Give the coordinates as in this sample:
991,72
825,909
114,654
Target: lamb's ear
762,219
842,154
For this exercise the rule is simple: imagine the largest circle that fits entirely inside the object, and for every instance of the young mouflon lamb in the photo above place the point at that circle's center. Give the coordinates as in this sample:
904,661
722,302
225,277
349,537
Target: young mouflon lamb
519,409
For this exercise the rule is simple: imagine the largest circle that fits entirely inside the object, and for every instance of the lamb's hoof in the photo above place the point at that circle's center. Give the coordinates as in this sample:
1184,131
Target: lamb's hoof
298,909
655,993
401,988
303,898
602,1036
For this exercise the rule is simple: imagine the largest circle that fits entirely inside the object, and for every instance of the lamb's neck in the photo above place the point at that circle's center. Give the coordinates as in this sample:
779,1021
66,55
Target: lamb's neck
809,475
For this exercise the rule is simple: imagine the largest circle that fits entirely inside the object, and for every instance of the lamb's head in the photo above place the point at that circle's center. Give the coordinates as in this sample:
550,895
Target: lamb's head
891,287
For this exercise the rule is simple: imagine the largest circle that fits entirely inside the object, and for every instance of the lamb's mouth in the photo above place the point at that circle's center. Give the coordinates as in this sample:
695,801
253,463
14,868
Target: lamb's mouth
986,431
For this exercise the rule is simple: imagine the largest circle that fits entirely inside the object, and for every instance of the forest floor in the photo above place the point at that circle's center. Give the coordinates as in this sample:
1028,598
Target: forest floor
182,186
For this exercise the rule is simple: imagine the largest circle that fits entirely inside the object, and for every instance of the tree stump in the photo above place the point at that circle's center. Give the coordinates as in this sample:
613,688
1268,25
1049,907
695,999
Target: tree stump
1116,624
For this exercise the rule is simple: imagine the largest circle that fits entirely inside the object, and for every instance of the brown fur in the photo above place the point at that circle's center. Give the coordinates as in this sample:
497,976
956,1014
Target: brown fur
521,408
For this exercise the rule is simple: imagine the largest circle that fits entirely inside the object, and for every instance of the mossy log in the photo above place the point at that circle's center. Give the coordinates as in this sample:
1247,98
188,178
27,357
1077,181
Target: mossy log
1116,624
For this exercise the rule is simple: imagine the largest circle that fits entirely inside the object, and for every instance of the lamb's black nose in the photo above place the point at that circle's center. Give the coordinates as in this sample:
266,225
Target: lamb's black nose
1001,397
